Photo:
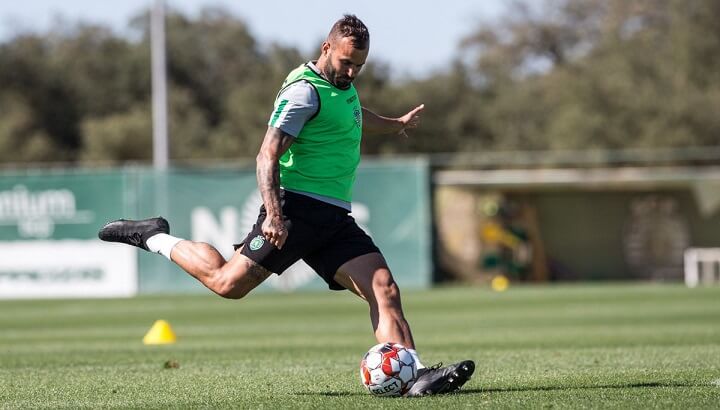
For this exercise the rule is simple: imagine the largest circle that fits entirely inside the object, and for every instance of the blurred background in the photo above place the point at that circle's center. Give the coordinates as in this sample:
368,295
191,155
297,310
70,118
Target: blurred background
566,140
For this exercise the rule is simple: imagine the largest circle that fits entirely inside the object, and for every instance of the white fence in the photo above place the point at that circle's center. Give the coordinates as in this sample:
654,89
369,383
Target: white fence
702,266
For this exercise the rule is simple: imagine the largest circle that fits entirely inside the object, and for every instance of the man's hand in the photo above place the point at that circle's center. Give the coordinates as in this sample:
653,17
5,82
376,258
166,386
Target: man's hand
411,119
374,124
275,231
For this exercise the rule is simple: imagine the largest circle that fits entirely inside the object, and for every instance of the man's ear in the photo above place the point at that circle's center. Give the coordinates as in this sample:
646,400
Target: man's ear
325,48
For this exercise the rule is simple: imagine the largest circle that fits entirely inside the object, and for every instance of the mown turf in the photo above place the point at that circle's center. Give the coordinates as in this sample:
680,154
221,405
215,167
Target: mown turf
573,346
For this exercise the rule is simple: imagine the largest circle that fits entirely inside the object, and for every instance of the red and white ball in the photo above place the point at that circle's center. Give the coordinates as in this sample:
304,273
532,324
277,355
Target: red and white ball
388,369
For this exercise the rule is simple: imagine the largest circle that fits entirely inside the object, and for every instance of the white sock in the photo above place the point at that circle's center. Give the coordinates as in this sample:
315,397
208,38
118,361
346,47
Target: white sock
162,243
418,363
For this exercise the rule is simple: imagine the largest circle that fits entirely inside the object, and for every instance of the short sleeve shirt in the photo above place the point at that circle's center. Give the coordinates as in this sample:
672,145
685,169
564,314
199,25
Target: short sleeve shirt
295,105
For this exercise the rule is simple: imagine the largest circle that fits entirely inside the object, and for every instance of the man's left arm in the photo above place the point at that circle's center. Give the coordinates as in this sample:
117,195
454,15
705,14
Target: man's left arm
374,124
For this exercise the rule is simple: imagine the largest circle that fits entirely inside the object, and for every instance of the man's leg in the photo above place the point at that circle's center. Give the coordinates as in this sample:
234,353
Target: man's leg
230,279
369,277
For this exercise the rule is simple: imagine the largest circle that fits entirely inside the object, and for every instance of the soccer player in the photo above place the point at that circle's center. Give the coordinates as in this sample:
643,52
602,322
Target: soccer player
305,173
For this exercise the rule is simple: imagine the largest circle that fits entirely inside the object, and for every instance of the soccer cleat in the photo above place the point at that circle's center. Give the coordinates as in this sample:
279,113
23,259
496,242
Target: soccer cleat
135,233
440,380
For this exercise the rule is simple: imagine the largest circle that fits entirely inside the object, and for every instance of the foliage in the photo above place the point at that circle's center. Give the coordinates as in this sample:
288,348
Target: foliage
556,75
602,74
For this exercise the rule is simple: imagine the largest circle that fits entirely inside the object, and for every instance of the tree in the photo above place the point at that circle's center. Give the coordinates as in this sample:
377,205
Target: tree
604,74
561,74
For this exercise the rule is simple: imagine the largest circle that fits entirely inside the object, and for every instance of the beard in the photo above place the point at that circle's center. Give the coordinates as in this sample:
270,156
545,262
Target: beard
338,81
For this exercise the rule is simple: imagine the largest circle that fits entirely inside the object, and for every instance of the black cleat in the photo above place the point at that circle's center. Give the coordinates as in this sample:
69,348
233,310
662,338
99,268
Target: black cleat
440,380
134,233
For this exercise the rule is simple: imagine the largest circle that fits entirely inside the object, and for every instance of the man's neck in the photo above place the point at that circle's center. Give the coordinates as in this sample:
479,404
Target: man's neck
314,66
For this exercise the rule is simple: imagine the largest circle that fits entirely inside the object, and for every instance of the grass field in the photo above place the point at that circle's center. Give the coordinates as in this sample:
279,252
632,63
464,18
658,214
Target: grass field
572,346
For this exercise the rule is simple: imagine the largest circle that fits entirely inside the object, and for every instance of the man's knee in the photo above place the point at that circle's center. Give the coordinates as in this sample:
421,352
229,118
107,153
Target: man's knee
232,292
235,281
227,289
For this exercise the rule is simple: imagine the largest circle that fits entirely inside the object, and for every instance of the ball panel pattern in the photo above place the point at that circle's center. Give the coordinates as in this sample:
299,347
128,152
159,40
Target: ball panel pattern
388,369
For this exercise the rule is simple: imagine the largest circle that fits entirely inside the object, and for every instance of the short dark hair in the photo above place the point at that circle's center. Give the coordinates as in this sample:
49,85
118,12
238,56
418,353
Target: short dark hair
351,26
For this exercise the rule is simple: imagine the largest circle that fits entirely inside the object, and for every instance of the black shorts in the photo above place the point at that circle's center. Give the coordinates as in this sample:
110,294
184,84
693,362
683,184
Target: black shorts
325,236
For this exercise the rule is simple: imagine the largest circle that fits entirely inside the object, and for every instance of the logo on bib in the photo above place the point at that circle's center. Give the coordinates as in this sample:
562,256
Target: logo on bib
358,117
257,243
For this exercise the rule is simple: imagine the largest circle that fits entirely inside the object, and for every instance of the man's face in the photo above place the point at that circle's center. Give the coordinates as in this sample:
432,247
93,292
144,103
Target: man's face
342,61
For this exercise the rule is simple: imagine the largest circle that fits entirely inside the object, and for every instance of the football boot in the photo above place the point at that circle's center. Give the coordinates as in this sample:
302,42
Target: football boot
440,380
135,233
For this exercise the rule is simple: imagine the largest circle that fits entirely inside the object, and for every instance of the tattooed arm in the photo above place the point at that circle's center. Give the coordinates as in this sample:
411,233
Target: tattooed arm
274,145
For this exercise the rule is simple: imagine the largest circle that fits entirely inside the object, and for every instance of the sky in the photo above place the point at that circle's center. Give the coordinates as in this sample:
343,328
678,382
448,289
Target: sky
415,37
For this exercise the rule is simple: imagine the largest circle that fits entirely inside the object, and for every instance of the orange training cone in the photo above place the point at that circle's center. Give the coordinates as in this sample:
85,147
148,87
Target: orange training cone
160,334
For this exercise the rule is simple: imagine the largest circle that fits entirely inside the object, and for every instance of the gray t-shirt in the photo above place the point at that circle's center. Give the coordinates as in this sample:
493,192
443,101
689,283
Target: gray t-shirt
301,103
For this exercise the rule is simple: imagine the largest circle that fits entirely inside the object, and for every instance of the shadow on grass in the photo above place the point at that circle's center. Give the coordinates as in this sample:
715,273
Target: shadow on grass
331,393
642,385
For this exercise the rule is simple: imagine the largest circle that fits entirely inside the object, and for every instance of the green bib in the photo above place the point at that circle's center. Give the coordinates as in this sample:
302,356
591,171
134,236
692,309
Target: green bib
324,156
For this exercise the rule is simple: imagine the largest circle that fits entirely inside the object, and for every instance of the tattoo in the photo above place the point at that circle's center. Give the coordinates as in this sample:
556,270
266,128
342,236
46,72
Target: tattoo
257,274
274,146
268,178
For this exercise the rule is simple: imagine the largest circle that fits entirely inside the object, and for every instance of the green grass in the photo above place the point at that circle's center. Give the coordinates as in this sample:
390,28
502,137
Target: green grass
573,346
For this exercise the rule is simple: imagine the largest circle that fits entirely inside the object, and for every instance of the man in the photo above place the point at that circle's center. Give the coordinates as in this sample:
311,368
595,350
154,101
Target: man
305,172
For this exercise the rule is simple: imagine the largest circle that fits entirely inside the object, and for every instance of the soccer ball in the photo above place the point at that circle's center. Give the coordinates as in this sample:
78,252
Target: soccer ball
388,369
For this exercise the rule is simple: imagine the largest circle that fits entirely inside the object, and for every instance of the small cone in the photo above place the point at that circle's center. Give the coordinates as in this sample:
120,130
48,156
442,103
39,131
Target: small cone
160,334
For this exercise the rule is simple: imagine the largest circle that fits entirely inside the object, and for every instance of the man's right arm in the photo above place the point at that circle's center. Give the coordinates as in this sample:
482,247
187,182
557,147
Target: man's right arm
295,105
274,145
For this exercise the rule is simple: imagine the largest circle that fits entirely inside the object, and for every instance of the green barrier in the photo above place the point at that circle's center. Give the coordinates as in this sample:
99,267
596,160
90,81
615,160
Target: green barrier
220,206
58,205
48,236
